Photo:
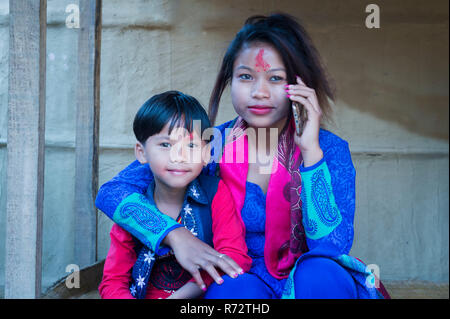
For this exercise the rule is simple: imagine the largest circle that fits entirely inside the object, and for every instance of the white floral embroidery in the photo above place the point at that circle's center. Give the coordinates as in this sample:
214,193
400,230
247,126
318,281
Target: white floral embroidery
192,230
194,192
140,281
149,257
133,289
188,209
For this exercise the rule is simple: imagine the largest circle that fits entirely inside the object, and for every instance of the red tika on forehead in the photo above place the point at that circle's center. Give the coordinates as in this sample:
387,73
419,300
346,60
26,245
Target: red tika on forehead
260,63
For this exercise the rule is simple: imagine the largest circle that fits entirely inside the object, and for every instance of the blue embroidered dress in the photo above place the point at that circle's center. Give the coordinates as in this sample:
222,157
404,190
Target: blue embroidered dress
254,216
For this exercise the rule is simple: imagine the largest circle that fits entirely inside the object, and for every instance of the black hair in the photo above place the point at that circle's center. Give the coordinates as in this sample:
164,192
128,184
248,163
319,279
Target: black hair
170,106
295,47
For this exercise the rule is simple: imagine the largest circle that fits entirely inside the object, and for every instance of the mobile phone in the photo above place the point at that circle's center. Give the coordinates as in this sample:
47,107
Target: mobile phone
299,117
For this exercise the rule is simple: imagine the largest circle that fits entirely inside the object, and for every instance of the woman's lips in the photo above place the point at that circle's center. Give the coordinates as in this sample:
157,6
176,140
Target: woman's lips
260,109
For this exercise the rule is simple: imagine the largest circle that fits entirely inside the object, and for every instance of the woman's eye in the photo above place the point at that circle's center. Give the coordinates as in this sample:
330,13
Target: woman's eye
276,78
245,77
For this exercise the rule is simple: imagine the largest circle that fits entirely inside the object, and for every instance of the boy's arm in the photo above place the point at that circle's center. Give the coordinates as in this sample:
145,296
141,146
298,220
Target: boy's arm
118,265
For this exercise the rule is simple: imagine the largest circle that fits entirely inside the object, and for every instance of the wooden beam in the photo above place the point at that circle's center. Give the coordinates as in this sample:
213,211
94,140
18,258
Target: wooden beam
87,132
25,149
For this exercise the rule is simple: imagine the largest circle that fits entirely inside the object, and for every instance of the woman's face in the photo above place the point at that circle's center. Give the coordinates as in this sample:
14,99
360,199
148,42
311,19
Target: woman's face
257,86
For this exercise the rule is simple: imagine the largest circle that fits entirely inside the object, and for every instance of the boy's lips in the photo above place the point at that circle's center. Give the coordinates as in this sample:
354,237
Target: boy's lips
178,171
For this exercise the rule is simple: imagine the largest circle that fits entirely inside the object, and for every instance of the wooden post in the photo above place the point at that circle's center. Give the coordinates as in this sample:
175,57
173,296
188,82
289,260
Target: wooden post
25,148
87,131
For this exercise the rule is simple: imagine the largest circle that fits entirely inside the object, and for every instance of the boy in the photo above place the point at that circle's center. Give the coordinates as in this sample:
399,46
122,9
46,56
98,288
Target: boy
172,146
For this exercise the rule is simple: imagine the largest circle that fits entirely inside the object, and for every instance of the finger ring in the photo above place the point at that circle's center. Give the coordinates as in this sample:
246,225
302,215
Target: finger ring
221,255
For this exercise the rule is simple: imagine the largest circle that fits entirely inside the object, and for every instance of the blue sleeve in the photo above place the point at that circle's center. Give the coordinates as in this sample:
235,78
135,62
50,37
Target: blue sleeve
122,199
328,197
143,220
135,178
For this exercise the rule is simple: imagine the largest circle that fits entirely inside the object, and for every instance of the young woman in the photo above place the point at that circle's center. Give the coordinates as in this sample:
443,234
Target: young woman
298,214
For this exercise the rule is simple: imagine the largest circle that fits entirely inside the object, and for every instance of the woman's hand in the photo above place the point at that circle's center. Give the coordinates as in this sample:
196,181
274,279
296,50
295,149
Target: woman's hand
193,254
189,291
308,142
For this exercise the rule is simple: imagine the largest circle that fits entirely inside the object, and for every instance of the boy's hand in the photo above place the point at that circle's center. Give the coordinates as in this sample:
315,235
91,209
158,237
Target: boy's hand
193,255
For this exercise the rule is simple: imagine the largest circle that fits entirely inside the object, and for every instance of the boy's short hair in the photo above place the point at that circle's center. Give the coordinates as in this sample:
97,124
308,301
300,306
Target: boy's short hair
171,106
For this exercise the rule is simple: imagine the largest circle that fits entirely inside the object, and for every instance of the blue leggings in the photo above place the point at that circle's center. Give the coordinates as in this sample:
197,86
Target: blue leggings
315,278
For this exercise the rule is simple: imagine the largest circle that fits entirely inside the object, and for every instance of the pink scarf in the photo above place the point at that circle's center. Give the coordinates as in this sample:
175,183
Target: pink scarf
284,234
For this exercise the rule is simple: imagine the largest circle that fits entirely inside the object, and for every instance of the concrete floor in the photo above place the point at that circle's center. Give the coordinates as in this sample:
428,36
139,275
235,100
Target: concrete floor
91,276
417,290
397,290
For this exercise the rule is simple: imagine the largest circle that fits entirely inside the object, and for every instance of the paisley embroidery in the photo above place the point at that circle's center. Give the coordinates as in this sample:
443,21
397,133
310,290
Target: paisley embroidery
320,194
309,225
288,288
143,216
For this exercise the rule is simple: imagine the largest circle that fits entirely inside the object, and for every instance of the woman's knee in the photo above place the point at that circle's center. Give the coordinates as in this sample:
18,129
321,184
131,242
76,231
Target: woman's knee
319,277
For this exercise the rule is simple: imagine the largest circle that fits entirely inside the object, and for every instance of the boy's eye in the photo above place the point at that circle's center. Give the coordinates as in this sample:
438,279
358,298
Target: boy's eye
245,77
164,144
192,145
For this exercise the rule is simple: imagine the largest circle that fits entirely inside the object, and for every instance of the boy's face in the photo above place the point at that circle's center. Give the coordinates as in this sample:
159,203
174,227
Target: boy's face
175,159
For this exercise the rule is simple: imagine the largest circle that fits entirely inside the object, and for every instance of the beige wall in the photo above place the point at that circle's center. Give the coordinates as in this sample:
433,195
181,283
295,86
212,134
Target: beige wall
392,108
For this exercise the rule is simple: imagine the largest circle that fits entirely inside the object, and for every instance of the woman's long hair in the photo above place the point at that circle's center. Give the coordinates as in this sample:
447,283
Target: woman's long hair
295,47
